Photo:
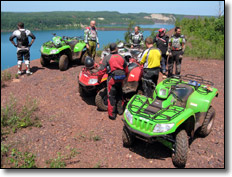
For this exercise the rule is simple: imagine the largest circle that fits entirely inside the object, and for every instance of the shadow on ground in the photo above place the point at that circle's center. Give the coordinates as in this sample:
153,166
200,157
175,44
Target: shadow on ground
55,65
35,69
151,151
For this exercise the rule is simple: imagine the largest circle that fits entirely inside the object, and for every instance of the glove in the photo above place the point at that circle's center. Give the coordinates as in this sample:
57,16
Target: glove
15,45
180,56
168,53
29,45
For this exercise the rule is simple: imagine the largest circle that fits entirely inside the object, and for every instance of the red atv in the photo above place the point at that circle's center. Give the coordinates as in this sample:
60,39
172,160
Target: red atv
89,83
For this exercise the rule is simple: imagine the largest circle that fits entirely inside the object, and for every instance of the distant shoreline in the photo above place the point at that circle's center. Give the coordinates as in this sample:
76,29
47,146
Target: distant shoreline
98,28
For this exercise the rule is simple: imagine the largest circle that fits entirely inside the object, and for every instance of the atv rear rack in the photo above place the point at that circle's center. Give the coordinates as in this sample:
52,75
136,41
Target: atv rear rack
188,77
155,115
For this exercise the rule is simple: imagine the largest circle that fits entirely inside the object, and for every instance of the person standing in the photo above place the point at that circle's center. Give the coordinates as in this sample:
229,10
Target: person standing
91,40
23,46
116,67
136,38
176,48
161,41
151,59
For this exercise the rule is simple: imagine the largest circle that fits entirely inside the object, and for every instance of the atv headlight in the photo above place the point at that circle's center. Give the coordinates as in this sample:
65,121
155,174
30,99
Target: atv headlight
160,128
41,49
54,51
129,116
163,93
92,81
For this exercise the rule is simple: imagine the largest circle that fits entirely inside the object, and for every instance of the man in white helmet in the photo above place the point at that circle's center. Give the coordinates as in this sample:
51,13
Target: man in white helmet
23,47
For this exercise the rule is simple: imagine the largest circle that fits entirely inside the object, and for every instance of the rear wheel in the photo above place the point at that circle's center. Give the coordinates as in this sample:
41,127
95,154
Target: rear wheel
83,57
127,138
43,61
179,157
207,125
63,63
101,100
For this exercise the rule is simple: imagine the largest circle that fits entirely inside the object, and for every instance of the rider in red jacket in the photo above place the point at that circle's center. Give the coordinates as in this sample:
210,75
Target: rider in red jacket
116,67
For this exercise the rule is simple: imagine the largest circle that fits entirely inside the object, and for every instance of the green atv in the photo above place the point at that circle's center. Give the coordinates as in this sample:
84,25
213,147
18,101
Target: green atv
180,107
63,50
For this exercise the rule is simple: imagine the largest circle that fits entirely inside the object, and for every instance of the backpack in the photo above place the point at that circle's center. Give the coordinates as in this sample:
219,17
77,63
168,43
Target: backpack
24,38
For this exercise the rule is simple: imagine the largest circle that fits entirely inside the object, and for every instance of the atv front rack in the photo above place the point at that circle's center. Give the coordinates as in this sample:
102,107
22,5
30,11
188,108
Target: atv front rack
156,113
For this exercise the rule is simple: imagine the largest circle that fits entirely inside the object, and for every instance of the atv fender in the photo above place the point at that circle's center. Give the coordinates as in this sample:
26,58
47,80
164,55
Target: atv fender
183,121
79,47
104,78
201,102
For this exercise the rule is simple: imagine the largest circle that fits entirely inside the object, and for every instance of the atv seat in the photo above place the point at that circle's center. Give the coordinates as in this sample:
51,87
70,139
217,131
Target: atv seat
132,66
72,44
183,91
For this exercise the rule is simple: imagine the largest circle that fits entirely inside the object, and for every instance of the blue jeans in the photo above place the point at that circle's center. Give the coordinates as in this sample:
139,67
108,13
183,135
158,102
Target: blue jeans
163,63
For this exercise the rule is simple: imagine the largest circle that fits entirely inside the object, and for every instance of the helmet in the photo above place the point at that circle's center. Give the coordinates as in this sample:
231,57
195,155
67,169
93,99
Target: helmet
120,45
89,63
162,30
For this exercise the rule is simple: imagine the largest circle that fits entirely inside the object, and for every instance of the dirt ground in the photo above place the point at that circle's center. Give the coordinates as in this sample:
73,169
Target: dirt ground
70,121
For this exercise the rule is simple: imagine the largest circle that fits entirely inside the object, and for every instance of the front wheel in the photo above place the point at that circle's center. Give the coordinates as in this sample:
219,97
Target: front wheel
63,63
81,91
207,125
101,100
44,62
179,157
127,138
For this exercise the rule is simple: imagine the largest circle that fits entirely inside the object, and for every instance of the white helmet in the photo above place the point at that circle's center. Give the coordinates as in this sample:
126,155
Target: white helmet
120,45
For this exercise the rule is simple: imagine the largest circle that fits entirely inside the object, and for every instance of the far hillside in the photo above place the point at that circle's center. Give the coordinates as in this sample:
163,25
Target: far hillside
75,20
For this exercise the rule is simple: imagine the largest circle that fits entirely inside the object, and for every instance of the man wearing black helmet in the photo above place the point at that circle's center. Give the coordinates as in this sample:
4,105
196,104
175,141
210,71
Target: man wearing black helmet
161,41
116,67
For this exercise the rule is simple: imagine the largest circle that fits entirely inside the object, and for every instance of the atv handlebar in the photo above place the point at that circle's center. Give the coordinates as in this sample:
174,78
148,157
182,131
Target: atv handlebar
150,82
75,37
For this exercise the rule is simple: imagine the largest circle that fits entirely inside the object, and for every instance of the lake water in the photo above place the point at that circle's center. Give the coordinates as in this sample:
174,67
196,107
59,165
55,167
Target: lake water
8,51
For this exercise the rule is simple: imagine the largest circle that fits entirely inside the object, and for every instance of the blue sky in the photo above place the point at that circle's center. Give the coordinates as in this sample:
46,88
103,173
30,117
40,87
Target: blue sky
172,7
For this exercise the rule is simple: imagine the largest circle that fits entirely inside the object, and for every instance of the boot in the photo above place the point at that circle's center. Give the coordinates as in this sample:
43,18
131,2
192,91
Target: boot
28,72
19,67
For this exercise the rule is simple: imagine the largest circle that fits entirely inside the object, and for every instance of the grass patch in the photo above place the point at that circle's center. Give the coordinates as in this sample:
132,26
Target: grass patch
5,76
57,162
97,165
94,137
22,159
98,53
14,117
4,151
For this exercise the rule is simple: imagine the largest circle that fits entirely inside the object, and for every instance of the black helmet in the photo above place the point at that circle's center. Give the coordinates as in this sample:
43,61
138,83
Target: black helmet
89,63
